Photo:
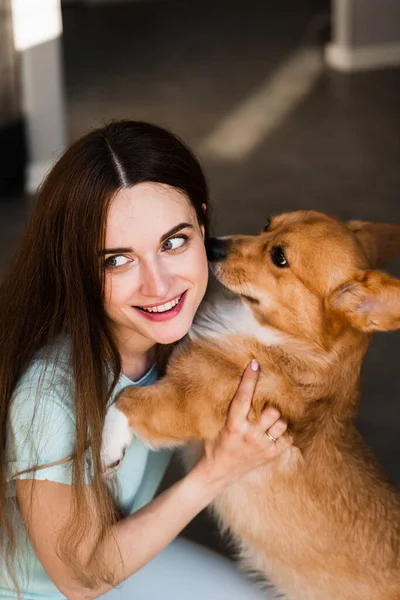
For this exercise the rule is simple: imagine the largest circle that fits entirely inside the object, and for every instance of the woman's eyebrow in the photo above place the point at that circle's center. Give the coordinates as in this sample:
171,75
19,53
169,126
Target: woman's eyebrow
114,251
175,230
164,237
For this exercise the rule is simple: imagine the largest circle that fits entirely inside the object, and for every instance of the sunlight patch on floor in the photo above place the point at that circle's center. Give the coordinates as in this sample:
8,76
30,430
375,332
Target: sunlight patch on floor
241,131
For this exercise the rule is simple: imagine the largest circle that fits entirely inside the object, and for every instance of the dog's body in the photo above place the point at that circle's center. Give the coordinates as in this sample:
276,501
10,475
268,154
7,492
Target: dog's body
320,521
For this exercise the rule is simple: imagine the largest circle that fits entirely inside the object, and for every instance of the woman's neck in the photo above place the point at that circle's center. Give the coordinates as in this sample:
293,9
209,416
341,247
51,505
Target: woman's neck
135,365
137,356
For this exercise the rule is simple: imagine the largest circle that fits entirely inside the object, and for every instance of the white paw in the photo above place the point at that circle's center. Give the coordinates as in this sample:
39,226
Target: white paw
117,435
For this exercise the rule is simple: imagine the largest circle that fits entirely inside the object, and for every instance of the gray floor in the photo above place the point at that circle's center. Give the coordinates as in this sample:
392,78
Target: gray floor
186,65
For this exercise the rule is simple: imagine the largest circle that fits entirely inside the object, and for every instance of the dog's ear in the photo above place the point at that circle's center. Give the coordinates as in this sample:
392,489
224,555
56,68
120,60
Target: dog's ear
380,242
368,302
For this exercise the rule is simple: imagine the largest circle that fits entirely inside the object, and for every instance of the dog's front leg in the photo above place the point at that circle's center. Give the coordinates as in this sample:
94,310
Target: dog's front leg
158,415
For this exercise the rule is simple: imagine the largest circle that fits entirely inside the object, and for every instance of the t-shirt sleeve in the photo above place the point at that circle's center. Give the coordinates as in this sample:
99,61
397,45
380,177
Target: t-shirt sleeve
40,433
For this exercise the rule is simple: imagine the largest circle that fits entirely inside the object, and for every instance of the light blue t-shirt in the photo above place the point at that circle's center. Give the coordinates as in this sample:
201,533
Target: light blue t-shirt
40,431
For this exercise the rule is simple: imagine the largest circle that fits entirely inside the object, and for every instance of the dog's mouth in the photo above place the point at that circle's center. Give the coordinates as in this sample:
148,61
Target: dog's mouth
249,299
234,287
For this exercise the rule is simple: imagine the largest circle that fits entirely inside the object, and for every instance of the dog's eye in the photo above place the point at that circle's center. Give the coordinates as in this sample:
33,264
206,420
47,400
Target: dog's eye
278,257
267,224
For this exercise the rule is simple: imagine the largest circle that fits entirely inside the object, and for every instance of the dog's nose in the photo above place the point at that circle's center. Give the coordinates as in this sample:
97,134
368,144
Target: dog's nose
217,249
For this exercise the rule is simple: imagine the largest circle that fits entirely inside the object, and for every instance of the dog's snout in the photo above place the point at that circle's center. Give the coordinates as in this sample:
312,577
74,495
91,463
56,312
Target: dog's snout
217,249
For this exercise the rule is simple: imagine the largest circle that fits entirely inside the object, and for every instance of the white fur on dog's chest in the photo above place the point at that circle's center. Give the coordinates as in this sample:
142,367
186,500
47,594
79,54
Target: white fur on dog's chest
222,317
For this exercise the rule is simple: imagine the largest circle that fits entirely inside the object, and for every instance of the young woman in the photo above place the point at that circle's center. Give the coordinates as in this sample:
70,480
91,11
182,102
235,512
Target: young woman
110,271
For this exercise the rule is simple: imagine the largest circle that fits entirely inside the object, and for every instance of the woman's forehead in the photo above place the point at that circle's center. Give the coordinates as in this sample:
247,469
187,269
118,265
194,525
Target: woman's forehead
144,211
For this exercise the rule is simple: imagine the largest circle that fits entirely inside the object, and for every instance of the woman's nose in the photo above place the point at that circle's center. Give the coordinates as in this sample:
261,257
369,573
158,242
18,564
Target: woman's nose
155,281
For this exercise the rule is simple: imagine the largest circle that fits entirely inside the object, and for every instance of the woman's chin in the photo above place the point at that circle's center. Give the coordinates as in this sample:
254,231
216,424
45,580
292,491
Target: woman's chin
171,338
173,333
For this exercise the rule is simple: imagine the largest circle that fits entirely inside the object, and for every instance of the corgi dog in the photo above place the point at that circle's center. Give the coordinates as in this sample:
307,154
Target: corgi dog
320,521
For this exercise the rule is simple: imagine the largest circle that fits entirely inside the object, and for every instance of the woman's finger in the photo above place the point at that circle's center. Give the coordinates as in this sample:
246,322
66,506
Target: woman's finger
269,416
277,429
241,402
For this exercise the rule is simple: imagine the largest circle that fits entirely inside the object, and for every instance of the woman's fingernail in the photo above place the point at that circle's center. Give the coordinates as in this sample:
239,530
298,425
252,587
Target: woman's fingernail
254,365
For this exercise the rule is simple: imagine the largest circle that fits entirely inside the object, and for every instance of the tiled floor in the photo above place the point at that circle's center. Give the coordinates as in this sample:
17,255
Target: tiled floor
186,65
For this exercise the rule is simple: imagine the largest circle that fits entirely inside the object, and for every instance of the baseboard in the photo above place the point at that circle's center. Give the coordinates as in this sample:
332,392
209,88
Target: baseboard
345,58
34,175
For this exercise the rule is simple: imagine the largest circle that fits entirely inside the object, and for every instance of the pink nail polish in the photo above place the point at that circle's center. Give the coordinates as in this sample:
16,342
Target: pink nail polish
254,365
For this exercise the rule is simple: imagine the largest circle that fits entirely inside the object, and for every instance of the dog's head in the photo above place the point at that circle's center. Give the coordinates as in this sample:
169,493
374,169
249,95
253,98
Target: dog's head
309,274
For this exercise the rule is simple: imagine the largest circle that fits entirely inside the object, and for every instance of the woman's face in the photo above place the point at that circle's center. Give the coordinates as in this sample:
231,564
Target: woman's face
155,264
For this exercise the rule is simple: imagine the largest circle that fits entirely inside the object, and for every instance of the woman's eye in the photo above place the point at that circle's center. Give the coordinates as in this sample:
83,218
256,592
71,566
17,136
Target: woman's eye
278,257
175,242
113,262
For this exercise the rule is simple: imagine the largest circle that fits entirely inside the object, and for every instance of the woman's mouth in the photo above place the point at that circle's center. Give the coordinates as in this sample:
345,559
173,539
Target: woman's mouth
163,312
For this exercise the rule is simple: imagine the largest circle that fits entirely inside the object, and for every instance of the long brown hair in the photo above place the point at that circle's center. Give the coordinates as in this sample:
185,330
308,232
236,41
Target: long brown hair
54,287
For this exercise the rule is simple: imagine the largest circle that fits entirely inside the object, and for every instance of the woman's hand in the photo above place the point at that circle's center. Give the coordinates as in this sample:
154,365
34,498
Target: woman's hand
243,445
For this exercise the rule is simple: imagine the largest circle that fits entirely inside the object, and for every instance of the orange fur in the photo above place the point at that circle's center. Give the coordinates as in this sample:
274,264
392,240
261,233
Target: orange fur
321,522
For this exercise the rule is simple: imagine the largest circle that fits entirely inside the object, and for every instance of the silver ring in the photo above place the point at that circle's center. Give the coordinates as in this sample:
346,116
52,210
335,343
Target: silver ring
271,437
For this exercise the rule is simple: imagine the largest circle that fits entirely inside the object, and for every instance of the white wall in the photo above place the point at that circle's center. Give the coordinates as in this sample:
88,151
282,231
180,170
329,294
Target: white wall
37,37
365,34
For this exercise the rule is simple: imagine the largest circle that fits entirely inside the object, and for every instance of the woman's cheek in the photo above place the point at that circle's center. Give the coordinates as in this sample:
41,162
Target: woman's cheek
202,273
117,289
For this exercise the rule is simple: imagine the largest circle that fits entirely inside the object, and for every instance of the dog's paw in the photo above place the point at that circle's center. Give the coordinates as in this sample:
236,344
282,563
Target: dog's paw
117,436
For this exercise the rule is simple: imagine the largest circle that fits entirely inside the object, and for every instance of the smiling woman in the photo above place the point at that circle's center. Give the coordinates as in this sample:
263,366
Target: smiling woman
111,268
154,286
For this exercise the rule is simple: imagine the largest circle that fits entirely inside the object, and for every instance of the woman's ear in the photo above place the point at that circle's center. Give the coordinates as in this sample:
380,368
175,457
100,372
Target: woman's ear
368,302
203,231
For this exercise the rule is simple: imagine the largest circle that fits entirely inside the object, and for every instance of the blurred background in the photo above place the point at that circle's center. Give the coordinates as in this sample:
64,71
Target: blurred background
290,104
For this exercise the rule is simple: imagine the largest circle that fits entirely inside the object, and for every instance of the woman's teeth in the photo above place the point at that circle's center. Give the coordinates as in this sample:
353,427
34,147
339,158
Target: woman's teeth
162,307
